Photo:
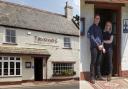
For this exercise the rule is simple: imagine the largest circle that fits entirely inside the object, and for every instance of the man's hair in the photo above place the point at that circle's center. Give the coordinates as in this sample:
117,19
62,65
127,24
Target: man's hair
96,15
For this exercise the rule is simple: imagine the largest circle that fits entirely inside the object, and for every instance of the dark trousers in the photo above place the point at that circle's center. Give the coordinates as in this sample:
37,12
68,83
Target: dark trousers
108,56
95,63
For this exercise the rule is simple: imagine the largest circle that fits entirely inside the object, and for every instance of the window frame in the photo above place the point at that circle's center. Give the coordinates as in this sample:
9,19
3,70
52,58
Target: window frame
68,42
10,36
9,61
62,67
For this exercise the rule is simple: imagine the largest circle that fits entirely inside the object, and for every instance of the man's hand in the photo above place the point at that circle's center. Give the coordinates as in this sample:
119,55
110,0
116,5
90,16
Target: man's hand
100,47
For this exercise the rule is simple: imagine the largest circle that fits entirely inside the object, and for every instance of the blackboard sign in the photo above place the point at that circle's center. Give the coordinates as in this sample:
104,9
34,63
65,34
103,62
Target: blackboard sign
125,25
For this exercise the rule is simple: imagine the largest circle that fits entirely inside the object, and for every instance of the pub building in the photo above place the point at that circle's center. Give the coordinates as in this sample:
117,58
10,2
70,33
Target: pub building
37,45
115,11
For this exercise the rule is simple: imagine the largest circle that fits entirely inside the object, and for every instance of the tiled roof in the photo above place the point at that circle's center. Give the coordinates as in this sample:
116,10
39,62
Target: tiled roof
30,51
31,18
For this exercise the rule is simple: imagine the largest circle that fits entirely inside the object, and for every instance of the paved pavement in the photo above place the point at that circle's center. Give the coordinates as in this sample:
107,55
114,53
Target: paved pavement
71,84
65,86
85,85
115,83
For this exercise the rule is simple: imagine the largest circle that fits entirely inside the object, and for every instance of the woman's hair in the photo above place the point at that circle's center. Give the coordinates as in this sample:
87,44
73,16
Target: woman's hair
110,24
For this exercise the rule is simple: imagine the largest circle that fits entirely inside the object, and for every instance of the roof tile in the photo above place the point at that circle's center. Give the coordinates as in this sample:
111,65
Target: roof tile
26,17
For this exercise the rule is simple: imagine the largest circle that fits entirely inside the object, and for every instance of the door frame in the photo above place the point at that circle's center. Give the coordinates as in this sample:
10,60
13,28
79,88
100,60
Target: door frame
117,8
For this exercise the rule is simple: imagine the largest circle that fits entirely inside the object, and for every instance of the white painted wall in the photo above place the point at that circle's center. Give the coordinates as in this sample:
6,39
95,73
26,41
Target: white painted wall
87,11
44,68
57,51
27,73
10,79
124,41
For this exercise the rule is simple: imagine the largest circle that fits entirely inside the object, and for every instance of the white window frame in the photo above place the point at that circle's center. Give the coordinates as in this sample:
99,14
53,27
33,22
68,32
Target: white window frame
2,61
72,66
69,43
6,35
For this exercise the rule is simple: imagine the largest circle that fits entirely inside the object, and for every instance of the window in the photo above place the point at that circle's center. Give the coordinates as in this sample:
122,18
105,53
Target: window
0,68
10,36
5,58
63,69
17,68
5,68
11,58
82,26
67,42
11,66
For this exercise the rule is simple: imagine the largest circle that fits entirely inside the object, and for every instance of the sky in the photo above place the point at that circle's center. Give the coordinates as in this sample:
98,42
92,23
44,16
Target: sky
56,6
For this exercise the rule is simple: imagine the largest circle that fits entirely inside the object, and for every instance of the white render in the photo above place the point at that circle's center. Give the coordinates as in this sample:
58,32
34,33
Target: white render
87,11
124,41
25,39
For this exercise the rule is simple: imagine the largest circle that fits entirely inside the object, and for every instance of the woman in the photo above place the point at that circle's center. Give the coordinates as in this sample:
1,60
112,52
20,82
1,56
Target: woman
108,39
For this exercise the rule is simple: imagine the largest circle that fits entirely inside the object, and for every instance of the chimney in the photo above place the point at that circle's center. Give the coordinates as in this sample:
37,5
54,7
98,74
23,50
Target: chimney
68,11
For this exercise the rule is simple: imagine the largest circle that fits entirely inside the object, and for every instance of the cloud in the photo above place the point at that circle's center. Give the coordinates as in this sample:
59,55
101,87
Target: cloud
77,2
76,5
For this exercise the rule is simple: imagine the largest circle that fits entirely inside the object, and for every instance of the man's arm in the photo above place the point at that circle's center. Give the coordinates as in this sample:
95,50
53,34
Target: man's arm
95,40
101,46
89,33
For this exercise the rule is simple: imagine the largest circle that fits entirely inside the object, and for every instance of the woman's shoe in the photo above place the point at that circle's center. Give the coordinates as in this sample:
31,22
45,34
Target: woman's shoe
109,77
100,78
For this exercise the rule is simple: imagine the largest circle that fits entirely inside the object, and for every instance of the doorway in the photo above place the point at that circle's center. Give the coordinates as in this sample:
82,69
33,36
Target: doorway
38,69
113,16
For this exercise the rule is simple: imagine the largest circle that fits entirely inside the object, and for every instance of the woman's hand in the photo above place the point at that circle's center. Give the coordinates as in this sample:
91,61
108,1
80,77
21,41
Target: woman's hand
104,51
101,48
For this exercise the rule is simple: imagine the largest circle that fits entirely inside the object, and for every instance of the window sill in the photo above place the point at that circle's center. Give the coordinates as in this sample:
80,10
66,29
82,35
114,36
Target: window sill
63,77
9,76
10,43
66,48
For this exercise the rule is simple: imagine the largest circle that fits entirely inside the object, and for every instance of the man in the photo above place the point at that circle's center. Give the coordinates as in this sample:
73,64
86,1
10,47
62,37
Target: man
96,47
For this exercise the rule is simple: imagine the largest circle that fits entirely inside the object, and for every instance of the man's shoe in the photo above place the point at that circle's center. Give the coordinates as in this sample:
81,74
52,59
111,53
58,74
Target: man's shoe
92,81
